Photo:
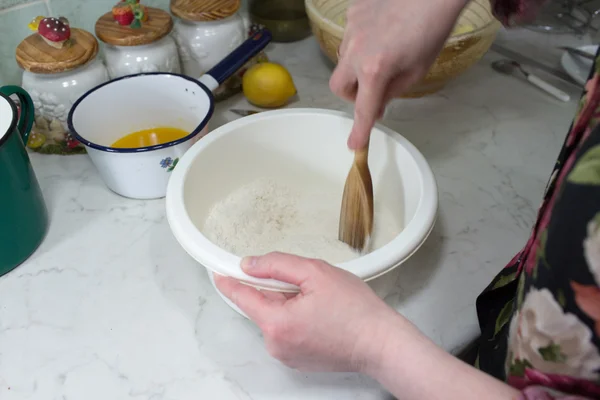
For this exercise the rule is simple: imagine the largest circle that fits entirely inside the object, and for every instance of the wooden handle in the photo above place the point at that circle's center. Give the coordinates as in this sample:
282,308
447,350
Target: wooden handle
362,155
548,88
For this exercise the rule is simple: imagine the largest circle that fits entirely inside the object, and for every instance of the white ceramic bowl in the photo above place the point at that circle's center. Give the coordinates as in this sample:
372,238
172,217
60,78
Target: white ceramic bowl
277,143
132,103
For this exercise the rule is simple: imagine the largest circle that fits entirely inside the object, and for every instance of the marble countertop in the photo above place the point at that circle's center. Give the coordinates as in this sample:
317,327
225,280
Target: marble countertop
111,307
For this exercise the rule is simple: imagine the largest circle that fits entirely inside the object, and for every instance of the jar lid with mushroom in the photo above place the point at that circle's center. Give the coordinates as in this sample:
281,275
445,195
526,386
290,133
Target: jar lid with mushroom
206,31
137,39
60,64
55,47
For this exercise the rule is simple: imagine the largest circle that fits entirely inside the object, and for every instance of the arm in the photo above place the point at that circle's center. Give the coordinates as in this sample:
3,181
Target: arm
410,366
337,323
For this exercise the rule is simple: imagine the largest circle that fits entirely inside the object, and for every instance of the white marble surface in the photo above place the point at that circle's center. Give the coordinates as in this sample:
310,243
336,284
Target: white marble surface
110,307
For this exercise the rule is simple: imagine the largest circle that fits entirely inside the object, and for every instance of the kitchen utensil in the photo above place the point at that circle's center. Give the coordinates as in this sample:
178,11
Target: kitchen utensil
280,144
577,67
578,52
23,214
356,215
132,103
507,67
523,60
244,113
461,51
286,19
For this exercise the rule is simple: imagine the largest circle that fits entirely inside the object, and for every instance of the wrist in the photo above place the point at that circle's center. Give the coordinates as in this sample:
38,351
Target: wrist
411,366
386,334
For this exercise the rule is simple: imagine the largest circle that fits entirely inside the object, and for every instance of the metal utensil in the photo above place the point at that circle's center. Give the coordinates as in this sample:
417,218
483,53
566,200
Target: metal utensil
576,52
524,60
507,67
243,113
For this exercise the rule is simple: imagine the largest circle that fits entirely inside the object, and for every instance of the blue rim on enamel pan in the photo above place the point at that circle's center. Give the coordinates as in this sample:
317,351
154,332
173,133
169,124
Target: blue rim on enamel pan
109,149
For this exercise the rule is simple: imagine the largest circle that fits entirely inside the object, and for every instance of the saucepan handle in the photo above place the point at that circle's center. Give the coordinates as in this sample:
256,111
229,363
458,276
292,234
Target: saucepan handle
236,59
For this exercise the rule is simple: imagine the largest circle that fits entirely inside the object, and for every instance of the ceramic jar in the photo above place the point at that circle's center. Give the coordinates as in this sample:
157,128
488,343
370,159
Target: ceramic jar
55,78
145,48
205,32
203,44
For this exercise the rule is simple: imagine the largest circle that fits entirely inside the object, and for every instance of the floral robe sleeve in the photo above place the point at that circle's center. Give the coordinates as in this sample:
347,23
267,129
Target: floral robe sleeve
540,317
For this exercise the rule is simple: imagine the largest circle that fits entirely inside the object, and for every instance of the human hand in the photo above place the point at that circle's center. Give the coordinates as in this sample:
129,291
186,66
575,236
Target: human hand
388,46
336,322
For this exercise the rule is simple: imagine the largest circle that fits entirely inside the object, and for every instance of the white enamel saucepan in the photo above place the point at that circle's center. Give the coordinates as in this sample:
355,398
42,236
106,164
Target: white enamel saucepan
144,101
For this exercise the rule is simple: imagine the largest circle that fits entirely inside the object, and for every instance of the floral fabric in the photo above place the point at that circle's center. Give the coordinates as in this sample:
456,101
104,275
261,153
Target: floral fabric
540,317
512,12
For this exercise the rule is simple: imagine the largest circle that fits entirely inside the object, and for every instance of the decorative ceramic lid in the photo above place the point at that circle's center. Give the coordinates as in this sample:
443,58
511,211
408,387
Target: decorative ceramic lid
120,27
55,47
204,10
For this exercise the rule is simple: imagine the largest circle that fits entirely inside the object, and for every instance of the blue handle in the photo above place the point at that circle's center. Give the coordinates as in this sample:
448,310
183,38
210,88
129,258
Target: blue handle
240,56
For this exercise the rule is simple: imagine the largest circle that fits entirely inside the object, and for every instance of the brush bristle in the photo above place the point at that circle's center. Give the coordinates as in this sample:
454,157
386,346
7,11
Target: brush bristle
356,217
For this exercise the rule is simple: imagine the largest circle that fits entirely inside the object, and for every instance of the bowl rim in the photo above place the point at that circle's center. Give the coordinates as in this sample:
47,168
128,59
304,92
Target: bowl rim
109,149
366,267
338,30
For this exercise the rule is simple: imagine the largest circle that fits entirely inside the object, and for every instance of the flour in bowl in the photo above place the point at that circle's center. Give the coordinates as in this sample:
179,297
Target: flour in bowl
266,215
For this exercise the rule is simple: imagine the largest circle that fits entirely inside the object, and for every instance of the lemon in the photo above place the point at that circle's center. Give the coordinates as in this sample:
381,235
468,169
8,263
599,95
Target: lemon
268,85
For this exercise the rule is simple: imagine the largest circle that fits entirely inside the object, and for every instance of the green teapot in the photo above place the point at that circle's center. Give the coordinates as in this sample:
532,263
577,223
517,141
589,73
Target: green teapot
23,213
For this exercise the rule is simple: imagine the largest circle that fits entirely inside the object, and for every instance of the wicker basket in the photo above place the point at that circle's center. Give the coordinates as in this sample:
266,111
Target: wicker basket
461,51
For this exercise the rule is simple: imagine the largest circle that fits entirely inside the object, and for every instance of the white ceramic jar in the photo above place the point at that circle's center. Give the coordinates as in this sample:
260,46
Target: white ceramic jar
160,56
55,78
206,32
53,95
149,48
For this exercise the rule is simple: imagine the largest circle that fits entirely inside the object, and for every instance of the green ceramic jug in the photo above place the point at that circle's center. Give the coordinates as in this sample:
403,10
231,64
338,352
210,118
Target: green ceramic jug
23,214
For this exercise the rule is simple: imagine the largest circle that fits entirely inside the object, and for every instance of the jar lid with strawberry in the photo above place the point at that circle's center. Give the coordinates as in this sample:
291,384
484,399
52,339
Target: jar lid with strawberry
137,39
131,23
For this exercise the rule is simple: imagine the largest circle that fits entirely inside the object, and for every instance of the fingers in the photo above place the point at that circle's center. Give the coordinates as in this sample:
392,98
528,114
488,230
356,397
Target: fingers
364,84
250,300
282,267
370,101
398,86
277,297
343,82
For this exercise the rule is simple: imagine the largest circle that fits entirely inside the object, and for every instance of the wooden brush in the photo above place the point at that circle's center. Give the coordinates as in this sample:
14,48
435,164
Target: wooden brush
356,216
